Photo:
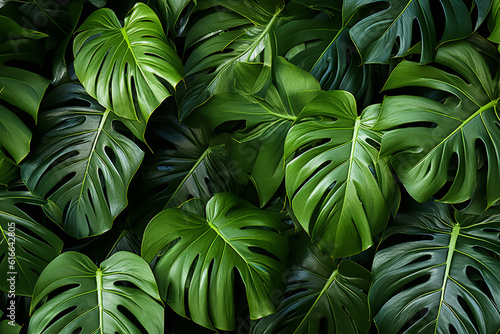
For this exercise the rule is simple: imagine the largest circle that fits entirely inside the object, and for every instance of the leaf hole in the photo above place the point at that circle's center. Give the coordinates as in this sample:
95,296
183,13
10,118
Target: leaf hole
59,316
111,154
423,258
262,251
130,316
400,238
373,143
477,278
60,183
486,252
465,306
452,329
61,290
413,320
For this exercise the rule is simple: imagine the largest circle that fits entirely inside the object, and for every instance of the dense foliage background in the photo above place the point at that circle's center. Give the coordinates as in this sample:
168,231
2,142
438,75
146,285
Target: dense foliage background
250,166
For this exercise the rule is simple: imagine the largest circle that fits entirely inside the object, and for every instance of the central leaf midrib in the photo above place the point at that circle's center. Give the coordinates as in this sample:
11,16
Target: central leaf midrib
191,171
98,279
92,150
325,288
482,109
259,38
451,250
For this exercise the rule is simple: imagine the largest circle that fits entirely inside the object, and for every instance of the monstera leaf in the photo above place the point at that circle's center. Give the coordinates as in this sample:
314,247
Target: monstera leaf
341,193
125,67
170,11
323,47
433,143
83,163
187,163
198,258
74,295
240,31
321,297
392,27
21,88
26,246
267,120
438,272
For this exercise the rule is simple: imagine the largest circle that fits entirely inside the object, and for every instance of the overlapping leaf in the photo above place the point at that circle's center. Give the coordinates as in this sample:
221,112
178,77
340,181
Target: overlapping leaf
74,295
83,164
392,28
267,120
433,143
21,88
187,163
341,193
129,69
26,246
322,46
241,31
439,273
321,297
198,258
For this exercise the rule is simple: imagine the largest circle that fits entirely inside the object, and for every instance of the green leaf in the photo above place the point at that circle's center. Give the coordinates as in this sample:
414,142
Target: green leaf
267,120
8,326
125,67
26,246
493,24
323,47
8,170
242,32
20,88
119,296
170,11
392,28
197,271
434,144
16,136
438,273
320,292
82,164
187,163
341,193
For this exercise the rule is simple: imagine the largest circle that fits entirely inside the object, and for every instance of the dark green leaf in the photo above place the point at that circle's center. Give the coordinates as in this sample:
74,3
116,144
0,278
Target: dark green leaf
83,164
321,296
26,246
243,32
392,28
439,273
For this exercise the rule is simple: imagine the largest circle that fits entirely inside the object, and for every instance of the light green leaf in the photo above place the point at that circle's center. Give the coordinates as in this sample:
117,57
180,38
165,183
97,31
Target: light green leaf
125,67
73,293
341,193
197,271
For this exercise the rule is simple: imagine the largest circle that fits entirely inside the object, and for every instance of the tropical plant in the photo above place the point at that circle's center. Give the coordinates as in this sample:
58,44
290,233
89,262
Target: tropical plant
250,166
